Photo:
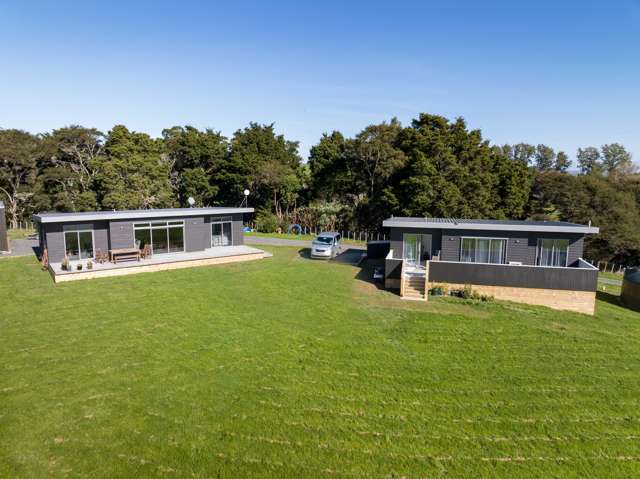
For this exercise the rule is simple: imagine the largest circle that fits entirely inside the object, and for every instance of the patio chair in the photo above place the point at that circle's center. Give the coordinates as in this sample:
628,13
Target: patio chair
102,256
146,252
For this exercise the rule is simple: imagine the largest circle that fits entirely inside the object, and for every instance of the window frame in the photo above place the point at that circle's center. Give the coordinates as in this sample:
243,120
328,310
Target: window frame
490,238
77,232
553,252
220,220
162,225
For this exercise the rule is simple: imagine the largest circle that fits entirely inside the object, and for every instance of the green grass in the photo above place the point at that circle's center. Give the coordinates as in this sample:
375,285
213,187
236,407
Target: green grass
288,367
607,275
20,233
291,236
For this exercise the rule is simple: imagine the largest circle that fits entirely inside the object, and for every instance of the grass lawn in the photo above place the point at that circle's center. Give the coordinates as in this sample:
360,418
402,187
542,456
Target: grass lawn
289,367
291,236
617,276
20,233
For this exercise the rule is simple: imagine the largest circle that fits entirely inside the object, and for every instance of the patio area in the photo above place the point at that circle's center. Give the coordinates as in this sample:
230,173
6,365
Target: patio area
211,256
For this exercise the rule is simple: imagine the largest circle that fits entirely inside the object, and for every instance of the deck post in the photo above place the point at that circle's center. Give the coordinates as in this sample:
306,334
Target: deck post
426,281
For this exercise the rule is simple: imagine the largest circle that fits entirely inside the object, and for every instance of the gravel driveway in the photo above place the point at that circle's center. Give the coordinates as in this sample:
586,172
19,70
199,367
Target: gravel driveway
265,240
22,247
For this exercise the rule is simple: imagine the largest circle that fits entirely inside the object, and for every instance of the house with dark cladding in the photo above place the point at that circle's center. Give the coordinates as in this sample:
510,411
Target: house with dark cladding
535,262
111,243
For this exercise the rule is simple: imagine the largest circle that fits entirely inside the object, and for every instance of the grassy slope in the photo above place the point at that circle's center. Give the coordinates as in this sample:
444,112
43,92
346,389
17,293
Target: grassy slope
19,233
290,367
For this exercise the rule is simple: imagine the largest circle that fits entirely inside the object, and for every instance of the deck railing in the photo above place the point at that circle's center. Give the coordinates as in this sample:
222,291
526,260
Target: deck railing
582,277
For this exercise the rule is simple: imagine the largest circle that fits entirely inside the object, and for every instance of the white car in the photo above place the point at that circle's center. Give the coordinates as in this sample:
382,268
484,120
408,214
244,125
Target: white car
326,245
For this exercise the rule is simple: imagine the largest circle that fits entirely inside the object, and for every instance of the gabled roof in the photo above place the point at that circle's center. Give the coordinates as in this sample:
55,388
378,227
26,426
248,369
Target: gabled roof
56,217
490,225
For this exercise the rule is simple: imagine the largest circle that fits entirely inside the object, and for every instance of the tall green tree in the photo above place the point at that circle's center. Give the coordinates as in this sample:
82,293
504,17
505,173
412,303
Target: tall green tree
589,161
329,167
616,160
544,157
197,158
454,172
133,172
268,164
522,152
562,162
20,152
69,168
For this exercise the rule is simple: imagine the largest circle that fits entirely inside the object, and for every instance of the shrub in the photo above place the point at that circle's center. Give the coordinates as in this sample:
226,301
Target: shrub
266,222
438,290
468,293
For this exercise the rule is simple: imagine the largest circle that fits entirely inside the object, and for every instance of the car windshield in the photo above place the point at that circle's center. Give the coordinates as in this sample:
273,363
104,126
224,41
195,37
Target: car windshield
324,239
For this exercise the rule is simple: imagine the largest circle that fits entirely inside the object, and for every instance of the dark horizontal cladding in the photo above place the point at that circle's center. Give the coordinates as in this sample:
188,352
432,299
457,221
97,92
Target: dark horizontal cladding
570,279
392,268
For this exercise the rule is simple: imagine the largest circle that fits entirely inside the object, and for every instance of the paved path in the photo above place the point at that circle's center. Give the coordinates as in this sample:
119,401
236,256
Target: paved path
22,247
265,240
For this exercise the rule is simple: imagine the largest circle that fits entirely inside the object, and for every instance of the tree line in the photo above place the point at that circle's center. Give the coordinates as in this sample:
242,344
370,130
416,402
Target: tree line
432,167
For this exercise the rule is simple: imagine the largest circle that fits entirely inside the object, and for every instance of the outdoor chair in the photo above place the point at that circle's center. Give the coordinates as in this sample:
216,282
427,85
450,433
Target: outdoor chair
102,256
146,251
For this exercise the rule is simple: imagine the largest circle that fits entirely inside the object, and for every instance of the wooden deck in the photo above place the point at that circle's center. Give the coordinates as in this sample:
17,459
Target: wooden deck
211,256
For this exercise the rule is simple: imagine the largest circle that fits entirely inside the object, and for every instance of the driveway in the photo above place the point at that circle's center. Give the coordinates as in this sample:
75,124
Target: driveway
22,247
264,240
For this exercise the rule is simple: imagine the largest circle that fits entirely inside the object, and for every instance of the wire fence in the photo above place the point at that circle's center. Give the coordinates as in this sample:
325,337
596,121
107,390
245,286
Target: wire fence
25,225
363,236
609,267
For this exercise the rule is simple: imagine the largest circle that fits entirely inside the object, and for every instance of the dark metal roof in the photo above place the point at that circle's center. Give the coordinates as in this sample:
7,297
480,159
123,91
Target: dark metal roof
56,217
487,224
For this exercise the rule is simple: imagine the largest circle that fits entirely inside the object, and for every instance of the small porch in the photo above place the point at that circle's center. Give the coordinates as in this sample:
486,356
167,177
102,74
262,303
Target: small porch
159,262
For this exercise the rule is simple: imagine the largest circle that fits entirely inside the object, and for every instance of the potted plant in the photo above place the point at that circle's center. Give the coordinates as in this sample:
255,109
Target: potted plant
79,266
437,290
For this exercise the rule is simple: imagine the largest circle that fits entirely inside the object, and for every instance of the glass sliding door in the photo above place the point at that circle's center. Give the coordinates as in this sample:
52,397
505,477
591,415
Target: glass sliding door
85,241
159,241
142,237
176,240
221,232
72,249
78,244
163,236
412,244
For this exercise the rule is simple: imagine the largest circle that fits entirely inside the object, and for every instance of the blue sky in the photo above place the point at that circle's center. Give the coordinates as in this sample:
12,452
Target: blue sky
562,73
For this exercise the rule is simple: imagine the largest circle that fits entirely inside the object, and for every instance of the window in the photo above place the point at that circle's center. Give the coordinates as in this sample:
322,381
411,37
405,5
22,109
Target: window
324,239
163,236
78,244
483,250
221,234
552,252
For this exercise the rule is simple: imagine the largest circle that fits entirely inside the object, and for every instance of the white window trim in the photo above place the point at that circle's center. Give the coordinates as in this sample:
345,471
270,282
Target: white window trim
166,228
219,222
504,253
539,250
77,232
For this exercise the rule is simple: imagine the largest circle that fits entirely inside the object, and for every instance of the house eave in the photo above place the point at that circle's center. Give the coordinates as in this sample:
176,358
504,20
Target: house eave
581,229
47,218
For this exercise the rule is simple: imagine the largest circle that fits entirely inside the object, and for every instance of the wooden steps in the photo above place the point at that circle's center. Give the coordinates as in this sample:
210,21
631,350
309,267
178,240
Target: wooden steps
414,287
